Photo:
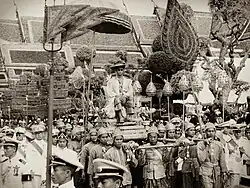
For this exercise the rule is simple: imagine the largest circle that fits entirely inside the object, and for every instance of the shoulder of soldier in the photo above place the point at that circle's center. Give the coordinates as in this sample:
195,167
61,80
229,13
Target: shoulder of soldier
3,160
22,161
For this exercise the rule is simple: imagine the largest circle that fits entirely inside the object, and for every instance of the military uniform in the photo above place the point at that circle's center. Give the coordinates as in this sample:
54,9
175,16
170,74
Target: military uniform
120,156
64,158
97,151
115,89
11,172
212,163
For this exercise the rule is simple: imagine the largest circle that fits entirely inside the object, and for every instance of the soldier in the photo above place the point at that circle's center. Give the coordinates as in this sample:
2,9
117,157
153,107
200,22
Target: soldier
236,151
20,136
60,125
162,132
55,133
186,160
121,154
12,166
64,167
68,130
97,151
37,151
170,128
77,134
152,160
9,132
211,157
62,144
84,155
108,174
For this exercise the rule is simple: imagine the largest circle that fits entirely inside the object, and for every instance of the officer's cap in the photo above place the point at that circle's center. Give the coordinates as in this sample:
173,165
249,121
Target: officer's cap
65,158
238,127
38,128
10,141
20,130
106,168
68,126
60,124
55,132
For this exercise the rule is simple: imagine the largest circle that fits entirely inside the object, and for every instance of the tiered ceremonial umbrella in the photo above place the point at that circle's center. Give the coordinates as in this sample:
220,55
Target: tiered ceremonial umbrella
168,91
151,91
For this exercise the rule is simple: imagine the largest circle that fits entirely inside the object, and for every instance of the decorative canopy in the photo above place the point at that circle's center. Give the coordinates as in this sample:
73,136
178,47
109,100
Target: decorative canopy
179,39
81,16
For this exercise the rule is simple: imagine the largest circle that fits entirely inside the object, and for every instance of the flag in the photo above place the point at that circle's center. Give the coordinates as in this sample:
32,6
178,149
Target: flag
179,39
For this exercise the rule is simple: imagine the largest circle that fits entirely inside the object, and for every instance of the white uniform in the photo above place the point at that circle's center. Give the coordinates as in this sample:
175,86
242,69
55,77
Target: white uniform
36,156
235,160
69,184
11,172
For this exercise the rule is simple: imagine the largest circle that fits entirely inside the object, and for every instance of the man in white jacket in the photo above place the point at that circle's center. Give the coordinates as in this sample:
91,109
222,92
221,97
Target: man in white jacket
120,94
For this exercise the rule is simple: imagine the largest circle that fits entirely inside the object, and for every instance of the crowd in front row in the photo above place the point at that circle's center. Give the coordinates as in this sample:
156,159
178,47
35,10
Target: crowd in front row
174,155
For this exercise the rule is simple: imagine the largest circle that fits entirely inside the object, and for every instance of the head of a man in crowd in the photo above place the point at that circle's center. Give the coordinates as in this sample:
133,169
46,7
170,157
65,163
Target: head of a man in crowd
68,129
93,135
10,132
210,130
10,147
103,136
153,135
118,138
38,131
64,166
189,130
170,128
161,130
237,131
20,133
62,140
119,67
247,132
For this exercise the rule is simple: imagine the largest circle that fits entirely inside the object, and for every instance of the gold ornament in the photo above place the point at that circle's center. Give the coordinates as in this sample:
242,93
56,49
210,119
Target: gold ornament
183,83
151,89
137,87
167,89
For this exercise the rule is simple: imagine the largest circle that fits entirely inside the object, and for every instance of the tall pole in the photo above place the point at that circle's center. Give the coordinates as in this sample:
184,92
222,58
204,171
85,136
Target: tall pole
50,118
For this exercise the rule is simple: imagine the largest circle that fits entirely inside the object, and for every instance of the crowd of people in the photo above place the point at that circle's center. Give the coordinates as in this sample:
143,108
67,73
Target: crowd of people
176,154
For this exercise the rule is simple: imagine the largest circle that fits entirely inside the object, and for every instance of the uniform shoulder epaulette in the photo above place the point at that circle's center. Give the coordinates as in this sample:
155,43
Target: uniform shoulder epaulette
4,160
22,161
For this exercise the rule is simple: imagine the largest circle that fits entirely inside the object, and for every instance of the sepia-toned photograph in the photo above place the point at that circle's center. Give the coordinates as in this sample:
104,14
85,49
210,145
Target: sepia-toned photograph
125,93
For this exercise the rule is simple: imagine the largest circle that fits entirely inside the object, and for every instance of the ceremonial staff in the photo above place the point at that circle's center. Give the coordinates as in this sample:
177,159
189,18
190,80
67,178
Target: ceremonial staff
51,50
